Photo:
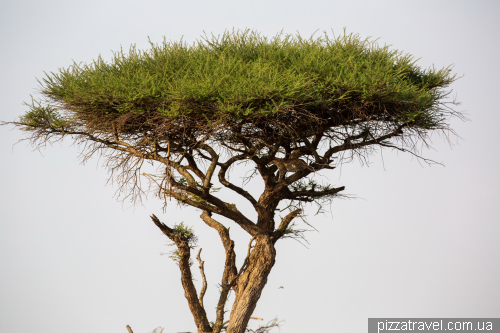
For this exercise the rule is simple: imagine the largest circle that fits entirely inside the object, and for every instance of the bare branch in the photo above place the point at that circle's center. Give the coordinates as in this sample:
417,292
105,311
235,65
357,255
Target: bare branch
285,222
205,201
349,145
230,270
204,279
221,229
226,183
266,328
245,262
255,318
211,168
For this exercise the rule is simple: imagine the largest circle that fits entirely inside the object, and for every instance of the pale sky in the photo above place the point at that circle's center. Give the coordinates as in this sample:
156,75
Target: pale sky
417,241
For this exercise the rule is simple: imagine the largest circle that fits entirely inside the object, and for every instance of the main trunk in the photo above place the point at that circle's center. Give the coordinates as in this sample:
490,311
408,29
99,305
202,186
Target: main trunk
250,284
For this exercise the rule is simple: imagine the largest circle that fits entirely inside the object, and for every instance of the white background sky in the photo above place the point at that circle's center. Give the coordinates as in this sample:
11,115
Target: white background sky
419,241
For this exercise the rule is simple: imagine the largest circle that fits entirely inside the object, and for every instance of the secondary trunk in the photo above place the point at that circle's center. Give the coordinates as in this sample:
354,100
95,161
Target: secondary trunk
250,284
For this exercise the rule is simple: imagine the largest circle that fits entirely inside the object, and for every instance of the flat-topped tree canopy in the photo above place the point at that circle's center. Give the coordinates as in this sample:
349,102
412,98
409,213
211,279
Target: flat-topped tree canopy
283,105
264,88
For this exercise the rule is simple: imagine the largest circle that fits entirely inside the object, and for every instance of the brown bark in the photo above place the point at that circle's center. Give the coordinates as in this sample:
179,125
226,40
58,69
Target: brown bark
127,141
249,282
230,271
249,285
197,310
203,277
199,314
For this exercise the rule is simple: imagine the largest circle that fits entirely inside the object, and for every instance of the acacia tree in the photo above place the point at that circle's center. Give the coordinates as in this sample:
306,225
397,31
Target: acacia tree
286,108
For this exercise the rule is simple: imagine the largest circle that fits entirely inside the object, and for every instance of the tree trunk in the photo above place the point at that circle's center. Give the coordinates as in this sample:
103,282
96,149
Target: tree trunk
250,284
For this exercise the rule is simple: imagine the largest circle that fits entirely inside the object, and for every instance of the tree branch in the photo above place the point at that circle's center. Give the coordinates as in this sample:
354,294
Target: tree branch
204,279
216,205
211,168
221,229
226,183
229,267
294,195
230,270
348,145
184,249
285,222
245,262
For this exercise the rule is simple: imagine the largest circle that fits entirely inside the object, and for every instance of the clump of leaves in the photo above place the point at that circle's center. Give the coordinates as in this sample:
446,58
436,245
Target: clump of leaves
185,232
43,116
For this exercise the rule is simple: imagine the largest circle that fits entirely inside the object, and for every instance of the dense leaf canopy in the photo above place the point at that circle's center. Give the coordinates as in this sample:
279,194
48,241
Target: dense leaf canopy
276,85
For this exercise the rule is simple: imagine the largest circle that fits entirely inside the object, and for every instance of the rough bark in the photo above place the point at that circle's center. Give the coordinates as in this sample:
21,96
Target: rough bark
249,281
184,254
203,277
249,285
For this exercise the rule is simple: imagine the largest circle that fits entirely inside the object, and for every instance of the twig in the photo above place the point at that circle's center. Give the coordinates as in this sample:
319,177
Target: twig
227,321
266,328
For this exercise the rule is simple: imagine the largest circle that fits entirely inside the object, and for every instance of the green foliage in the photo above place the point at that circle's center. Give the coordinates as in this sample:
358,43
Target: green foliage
42,117
183,181
182,230
176,256
244,74
309,184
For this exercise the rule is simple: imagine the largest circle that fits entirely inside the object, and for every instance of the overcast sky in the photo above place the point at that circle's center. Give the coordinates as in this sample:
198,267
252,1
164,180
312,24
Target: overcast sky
417,241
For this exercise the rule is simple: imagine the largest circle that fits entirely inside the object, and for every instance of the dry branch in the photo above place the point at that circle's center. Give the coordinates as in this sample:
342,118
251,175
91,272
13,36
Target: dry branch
204,279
